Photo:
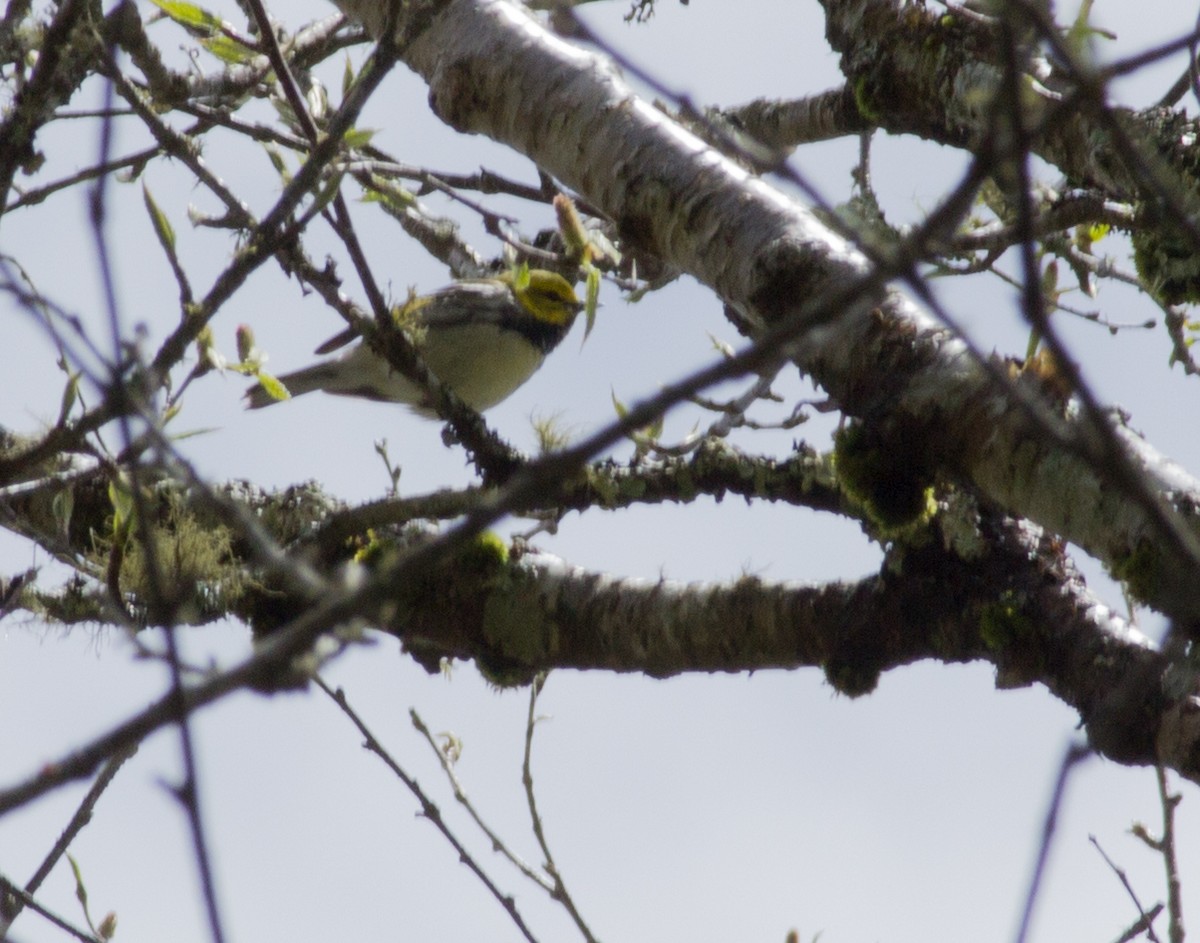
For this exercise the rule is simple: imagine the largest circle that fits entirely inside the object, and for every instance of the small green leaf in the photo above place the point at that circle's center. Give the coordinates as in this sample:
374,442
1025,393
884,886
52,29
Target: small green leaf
327,192
69,398
394,198
277,161
192,433
121,499
642,438
190,16
162,226
228,49
591,299
275,389
1031,345
63,507
80,890
621,408
358,137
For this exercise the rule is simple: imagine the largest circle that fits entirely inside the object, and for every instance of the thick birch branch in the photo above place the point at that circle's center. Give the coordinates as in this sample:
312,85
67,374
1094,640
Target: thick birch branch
492,69
916,71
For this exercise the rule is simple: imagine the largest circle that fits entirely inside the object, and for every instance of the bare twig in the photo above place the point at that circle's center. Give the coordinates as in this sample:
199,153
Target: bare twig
498,843
25,899
560,892
1170,802
1144,918
82,816
428,808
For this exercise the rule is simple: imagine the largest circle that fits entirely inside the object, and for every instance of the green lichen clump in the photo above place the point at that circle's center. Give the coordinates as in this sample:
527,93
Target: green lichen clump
495,624
1168,264
195,574
518,633
851,676
1011,634
890,486
1141,570
1002,625
486,555
862,100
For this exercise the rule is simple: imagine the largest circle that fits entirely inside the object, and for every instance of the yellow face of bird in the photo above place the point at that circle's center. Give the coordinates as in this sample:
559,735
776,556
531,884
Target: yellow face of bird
546,295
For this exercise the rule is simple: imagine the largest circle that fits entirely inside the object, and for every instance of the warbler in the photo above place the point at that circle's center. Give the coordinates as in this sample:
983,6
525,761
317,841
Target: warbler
483,337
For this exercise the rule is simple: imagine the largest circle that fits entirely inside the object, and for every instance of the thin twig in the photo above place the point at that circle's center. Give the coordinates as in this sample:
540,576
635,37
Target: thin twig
498,843
428,809
25,899
82,816
1170,801
1140,926
560,893
1144,917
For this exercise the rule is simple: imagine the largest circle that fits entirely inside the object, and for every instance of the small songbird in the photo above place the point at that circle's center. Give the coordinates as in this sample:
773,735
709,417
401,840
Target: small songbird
483,337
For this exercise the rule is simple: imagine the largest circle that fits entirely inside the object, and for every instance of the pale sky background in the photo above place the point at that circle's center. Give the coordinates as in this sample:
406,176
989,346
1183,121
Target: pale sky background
703,809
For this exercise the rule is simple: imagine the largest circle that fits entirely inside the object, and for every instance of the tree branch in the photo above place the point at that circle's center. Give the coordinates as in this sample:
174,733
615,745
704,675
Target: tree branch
776,265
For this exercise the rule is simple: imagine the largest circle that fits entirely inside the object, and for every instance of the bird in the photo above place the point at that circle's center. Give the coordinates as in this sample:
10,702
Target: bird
482,337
